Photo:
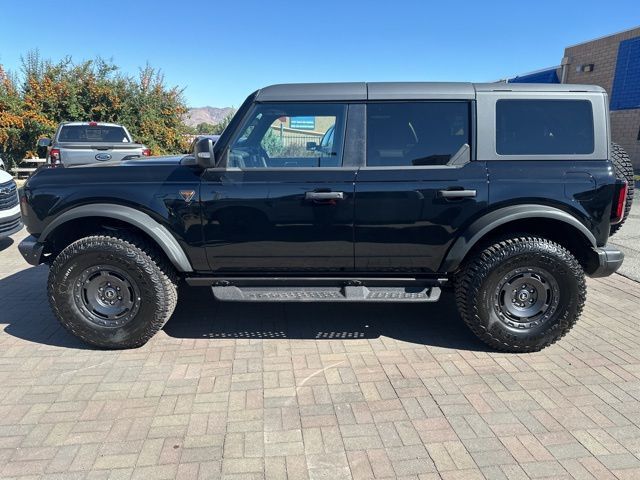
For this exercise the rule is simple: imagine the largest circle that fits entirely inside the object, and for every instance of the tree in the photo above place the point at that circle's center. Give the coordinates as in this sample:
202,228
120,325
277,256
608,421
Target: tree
205,128
219,127
47,93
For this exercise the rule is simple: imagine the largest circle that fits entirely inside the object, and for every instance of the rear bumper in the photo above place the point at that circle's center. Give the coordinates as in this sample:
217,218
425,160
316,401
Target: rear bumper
31,250
609,261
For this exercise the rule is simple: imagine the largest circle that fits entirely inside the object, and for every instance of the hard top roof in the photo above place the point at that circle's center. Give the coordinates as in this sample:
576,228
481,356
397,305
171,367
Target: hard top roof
402,90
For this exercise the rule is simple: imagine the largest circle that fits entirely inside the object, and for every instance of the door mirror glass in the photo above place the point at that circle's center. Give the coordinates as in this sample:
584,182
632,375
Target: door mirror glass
44,142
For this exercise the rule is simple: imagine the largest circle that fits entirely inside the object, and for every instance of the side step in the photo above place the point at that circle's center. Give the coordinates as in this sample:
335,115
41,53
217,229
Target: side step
327,294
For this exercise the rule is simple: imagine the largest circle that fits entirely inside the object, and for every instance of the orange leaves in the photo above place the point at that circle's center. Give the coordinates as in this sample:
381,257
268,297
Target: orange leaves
49,93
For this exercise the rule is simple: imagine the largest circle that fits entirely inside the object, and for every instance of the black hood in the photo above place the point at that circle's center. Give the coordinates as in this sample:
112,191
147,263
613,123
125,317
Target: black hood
137,162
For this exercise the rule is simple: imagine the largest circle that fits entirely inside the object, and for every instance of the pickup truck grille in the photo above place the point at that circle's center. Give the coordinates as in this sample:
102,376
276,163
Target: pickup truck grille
8,195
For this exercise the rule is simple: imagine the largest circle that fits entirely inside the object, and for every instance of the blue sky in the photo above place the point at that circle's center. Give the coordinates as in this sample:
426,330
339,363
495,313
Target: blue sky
220,51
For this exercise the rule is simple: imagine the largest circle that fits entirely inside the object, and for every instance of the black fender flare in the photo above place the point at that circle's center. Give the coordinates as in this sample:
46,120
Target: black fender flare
488,222
160,234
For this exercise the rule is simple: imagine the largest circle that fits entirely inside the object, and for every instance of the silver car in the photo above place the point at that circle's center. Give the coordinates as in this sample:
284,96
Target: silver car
79,143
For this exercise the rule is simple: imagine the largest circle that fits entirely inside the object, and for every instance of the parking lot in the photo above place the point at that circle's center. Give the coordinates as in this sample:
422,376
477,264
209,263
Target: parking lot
316,391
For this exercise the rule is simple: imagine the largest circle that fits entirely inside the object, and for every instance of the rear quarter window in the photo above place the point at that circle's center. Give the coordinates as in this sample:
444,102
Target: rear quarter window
544,127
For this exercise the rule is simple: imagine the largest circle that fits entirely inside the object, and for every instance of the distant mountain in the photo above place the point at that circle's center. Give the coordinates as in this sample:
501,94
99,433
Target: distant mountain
212,115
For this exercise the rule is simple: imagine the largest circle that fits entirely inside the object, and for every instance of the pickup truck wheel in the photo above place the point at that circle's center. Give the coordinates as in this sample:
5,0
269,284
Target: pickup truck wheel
111,291
521,294
623,169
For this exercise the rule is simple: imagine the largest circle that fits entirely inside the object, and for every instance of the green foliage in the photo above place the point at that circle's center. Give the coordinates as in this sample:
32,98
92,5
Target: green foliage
219,128
47,93
205,128
272,144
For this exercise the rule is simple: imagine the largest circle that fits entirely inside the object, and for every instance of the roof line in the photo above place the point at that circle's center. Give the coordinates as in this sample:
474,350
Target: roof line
555,67
602,37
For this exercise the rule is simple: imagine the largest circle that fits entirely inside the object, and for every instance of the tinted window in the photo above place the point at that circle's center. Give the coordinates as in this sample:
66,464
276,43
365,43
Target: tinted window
290,135
88,133
414,134
544,127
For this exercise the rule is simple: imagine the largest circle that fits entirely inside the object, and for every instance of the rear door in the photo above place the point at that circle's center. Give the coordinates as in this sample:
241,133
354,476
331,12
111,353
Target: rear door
419,186
284,202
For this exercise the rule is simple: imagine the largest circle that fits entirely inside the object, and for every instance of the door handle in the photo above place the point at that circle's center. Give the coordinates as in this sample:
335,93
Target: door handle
324,196
457,193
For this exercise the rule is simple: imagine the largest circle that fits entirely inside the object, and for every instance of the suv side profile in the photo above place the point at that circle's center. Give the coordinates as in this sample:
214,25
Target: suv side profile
505,193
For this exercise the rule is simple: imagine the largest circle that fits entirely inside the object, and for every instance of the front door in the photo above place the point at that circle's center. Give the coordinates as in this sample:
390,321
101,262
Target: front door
284,202
418,187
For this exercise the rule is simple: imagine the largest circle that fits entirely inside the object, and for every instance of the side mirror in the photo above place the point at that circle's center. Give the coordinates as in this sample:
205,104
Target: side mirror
312,146
203,151
44,142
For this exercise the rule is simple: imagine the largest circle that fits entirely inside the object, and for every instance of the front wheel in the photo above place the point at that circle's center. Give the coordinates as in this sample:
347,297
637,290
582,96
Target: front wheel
521,294
111,291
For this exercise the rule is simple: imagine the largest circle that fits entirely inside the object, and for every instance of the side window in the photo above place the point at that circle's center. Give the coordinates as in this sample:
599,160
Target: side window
290,135
401,134
544,127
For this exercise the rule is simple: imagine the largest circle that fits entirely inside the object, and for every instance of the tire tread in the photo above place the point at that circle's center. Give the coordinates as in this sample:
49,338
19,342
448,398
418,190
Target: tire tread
160,273
623,169
469,282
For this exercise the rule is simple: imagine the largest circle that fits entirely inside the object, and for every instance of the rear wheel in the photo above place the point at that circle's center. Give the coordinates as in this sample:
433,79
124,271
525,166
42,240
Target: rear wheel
623,169
521,294
111,291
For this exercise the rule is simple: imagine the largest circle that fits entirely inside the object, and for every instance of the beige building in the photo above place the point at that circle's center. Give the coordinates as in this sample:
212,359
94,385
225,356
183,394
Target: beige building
613,62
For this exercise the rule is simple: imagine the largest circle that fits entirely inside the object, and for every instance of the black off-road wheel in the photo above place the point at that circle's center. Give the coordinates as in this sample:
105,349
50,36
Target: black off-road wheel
623,169
112,290
521,294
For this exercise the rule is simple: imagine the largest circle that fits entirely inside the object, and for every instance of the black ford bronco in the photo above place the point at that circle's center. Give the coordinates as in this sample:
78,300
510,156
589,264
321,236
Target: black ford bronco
355,192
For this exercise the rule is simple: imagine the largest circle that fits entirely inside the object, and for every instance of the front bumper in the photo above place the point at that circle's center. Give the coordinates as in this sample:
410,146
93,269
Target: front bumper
10,225
31,250
609,261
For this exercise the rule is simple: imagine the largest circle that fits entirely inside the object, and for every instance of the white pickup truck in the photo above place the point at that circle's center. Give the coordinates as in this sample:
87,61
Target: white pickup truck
80,143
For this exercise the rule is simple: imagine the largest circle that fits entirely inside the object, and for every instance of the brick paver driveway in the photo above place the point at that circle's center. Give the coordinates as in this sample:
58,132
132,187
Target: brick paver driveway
316,391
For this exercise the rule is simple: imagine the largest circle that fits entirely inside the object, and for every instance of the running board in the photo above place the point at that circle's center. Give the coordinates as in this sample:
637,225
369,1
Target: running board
326,294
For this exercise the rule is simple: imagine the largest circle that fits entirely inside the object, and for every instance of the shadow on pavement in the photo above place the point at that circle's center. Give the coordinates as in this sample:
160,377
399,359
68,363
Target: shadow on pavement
26,314
5,243
198,315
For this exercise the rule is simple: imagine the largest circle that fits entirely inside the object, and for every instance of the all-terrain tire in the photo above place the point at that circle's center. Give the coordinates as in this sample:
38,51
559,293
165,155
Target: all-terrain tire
623,169
152,289
482,307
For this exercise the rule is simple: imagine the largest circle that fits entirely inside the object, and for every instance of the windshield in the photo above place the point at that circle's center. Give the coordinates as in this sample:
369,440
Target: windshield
89,133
